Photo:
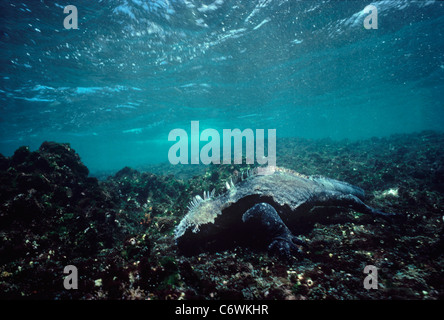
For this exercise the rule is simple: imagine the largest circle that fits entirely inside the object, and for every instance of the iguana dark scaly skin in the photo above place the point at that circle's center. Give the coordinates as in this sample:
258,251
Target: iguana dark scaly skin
264,207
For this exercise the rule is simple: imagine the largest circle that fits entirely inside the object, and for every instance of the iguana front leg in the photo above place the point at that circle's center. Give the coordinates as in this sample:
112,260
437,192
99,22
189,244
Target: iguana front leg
263,218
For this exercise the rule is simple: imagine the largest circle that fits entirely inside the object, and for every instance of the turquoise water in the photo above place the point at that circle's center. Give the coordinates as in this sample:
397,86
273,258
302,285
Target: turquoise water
135,70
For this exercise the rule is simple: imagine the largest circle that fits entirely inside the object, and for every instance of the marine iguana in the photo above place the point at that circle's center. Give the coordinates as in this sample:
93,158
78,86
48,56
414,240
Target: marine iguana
264,207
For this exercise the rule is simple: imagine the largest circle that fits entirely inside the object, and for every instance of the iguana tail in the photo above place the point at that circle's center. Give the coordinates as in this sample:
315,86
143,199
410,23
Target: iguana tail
339,186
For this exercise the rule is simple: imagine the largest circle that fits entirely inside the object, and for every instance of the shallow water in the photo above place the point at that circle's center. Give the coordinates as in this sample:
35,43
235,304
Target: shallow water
135,70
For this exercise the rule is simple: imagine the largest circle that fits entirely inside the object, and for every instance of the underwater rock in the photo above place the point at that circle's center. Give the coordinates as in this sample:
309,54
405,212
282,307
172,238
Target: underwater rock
60,155
51,214
262,209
